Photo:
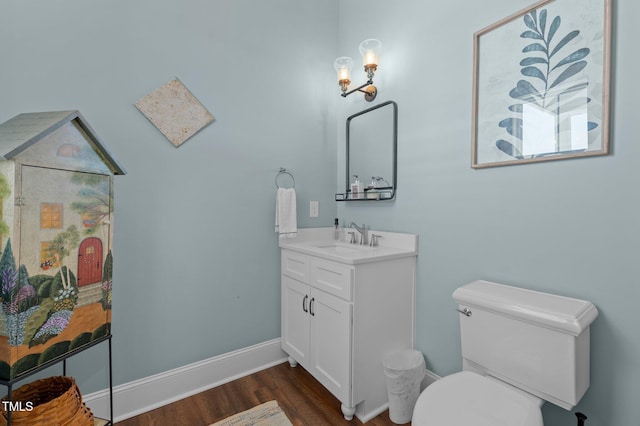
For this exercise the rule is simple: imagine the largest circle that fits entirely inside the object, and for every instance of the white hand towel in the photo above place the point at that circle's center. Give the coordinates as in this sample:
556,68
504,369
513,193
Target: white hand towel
286,216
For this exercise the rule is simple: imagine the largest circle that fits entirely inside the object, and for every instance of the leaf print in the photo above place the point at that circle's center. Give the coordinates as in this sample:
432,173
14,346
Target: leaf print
553,28
564,41
509,149
525,90
532,61
535,47
547,82
533,72
513,126
543,20
529,22
575,56
569,72
531,34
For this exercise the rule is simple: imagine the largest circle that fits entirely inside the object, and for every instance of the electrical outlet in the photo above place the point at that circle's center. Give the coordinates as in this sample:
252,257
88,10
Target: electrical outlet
313,209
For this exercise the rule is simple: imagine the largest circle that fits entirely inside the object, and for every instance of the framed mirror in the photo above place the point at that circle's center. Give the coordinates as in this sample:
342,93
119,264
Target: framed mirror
371,153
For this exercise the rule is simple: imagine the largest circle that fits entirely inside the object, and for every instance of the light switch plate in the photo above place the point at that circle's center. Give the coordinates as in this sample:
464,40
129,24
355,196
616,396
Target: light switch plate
313,209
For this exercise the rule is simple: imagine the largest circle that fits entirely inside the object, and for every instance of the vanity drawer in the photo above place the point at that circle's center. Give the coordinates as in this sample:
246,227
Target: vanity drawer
295,265
331,277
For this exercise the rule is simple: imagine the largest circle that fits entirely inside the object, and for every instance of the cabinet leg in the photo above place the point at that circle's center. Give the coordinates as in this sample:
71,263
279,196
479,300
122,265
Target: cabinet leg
348,412
293,362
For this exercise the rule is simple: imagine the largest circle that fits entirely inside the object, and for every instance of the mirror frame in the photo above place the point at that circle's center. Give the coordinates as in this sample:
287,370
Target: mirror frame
394,184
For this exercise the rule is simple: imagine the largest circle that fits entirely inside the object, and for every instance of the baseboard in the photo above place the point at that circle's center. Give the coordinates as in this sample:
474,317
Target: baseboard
429,377
373,414
137,397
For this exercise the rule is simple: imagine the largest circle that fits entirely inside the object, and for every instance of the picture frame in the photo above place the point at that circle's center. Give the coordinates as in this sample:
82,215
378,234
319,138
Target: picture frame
541,84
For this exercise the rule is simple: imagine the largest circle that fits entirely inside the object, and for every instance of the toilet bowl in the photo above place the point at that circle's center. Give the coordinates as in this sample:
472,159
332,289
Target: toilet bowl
519,348
467,398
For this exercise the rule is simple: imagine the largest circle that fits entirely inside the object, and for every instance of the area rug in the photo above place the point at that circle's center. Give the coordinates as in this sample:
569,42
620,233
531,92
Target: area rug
267,414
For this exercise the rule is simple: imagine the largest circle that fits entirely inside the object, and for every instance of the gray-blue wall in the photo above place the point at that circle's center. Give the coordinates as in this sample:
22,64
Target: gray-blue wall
567,227
196,258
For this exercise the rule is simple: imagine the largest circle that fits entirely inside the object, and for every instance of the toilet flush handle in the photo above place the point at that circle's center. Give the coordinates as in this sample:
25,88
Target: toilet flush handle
465,311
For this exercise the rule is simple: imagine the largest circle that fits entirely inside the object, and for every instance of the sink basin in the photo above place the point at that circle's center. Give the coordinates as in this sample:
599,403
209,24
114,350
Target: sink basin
341,248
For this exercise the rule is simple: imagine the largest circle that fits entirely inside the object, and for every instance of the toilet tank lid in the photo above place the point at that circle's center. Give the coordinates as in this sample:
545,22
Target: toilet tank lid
564,314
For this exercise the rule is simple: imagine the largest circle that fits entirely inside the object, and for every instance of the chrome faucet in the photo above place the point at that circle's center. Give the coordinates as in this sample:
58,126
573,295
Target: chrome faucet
364,235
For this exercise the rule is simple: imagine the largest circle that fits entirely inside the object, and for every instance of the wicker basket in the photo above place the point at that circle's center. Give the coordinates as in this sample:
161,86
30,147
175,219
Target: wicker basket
56,401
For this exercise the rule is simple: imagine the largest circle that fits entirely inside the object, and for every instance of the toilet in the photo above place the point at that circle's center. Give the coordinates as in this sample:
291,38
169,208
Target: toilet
520,348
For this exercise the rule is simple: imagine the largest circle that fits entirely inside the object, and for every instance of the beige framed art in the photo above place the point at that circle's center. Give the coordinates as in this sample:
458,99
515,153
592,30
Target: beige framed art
541,84
174,111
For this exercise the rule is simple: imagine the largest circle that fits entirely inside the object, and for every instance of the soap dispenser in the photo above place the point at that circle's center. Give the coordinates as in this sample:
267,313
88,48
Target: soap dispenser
372,192
336,230
356,188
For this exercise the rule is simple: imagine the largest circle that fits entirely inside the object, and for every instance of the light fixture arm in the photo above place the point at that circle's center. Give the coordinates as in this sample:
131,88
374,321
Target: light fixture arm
357,89
369,93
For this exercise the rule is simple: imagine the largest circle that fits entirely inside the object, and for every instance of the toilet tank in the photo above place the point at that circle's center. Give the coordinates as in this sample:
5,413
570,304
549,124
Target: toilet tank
535,341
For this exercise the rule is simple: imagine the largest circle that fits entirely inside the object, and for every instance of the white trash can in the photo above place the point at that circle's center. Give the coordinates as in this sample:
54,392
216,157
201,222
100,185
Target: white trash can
404,370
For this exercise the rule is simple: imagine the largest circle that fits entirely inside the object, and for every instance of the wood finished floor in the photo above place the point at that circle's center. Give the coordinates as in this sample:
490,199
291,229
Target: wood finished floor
305,401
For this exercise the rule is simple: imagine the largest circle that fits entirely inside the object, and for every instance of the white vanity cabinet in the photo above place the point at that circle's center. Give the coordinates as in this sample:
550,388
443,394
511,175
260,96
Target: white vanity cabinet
341,319
316,325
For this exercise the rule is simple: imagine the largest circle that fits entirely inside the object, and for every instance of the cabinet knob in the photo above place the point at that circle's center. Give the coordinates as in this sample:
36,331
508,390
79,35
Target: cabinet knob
313,314
304,303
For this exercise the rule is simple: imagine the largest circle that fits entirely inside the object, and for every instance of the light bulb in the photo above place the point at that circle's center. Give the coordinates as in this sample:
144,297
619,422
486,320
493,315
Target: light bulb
343,67
370,50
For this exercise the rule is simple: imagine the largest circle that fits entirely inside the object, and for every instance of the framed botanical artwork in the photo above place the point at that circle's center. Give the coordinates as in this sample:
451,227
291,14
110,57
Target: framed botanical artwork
541,84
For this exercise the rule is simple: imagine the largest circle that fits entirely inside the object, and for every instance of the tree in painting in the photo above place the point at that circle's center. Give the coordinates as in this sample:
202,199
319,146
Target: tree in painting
19,298
61,247
96,200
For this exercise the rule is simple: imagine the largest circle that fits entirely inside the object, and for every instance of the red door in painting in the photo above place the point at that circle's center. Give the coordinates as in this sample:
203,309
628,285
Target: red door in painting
90,261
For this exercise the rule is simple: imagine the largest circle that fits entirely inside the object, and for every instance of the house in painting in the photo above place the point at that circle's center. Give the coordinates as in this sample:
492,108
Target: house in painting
56,215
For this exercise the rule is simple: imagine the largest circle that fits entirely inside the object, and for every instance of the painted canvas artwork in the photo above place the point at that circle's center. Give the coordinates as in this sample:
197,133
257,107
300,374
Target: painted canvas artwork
541,84
55,225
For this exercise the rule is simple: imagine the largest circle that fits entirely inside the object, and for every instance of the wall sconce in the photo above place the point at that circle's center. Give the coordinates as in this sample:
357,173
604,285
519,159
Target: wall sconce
370,50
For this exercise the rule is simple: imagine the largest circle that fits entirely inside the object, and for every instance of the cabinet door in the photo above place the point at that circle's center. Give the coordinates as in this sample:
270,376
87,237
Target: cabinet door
331,332
295,319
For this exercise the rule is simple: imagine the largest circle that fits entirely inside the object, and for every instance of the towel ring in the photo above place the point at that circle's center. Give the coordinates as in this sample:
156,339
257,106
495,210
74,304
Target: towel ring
284,171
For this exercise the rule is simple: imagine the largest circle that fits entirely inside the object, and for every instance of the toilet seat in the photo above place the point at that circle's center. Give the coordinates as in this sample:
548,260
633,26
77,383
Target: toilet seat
467,398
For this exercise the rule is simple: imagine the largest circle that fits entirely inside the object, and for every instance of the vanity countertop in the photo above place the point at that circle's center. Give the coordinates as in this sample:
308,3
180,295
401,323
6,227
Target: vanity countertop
319,242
